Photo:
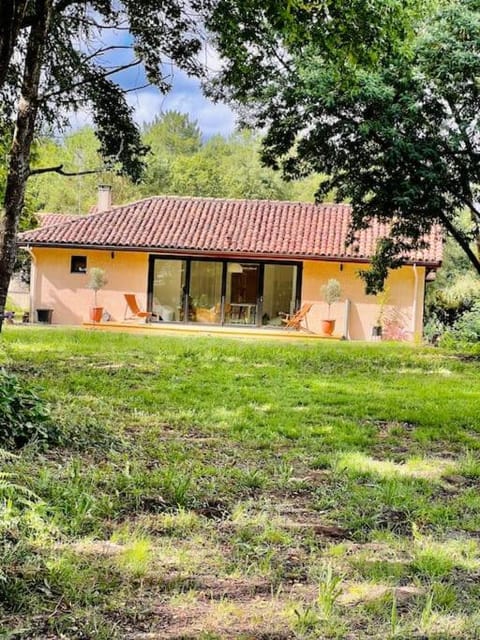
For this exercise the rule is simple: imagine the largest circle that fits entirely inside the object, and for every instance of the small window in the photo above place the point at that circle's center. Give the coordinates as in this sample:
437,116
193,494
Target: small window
78,264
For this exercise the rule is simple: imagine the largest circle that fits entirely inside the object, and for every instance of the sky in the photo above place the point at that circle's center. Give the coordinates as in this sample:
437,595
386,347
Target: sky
186,96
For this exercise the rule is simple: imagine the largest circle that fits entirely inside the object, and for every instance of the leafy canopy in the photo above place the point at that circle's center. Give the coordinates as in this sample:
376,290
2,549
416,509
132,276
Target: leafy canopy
382,98
179,162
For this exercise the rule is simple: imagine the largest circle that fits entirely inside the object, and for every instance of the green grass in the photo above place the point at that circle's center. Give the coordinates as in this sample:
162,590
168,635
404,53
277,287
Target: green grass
218,488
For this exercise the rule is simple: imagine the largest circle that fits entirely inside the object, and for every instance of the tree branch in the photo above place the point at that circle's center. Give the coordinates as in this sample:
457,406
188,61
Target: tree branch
138,88
111,72
99,52
465,137
463,242
59,169
474,209
106,27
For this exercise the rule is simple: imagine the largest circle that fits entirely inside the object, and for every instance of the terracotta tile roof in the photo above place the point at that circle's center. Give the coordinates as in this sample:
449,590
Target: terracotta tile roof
46,219
247,228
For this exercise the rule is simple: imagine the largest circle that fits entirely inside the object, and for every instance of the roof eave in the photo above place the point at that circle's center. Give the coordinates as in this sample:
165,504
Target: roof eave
220,254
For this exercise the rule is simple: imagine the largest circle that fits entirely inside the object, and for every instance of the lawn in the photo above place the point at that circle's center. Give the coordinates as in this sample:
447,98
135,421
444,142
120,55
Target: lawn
210,488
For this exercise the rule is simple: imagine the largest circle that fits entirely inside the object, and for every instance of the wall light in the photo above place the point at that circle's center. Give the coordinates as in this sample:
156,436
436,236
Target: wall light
235,267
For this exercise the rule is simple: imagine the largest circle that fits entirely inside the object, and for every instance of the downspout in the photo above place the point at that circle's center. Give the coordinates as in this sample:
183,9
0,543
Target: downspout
415,300
346,334
33,281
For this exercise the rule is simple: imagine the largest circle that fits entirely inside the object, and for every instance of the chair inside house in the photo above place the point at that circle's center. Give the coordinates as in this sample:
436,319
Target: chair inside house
213,315
294,320
133,311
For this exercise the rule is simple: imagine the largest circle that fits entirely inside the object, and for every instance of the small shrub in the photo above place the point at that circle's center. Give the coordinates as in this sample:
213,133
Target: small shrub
23,415
97,280
433,329
332,292
466,329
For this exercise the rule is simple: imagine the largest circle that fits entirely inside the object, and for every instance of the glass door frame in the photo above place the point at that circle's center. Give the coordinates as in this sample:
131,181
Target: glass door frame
225,262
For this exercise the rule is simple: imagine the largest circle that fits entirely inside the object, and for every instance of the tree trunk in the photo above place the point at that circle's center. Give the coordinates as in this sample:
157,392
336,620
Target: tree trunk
19,160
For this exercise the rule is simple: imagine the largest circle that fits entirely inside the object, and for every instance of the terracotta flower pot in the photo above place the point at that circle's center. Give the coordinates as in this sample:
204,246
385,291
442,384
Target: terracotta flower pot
96,314
328,326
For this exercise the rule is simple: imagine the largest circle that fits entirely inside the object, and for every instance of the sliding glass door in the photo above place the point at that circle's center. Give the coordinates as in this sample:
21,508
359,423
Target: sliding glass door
169,280
206,291
279,292
242,293
221,291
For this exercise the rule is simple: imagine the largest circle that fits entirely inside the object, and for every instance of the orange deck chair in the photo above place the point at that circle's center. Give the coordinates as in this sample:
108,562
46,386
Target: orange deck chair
294,320
134,309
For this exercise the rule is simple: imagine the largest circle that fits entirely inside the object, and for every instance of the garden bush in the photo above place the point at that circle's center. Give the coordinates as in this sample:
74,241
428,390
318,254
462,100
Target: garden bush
466,330
24,417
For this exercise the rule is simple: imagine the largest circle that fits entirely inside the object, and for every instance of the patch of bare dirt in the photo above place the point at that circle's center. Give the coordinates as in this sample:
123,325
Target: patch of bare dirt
213,588
298,516
355,594
213,510
254,618
93,547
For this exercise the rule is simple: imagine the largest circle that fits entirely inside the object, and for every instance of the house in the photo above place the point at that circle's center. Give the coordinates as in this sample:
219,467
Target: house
219,261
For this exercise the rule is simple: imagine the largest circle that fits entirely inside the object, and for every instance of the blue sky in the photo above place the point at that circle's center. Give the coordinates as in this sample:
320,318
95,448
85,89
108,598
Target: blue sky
186,96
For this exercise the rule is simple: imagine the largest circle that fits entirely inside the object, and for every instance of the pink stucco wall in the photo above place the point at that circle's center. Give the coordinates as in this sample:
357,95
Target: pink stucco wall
399,307
53,286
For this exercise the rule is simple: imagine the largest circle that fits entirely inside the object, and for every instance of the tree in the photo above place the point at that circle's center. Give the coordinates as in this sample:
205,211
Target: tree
169,136
52,61
177,163
227,168
172,133
77,152
394,126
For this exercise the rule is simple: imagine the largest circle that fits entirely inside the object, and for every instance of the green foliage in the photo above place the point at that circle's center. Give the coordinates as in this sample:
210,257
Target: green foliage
77,151
172,134
381,98
454,291
178,163
332,291
221,167
97,278
74,77
329,590
467,328
24,417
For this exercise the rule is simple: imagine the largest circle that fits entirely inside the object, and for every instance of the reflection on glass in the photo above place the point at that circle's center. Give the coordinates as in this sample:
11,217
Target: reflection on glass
206,291
279,292
168,285
204,300
242,293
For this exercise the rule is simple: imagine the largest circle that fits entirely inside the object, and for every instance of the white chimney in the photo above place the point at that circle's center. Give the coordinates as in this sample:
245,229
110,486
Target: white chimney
104,198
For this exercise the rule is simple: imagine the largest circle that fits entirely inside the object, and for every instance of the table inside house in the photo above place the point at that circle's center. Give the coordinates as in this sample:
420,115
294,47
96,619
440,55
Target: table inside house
243,312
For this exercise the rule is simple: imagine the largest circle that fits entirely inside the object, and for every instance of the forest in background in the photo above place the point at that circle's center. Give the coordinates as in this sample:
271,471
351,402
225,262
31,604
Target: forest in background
180,162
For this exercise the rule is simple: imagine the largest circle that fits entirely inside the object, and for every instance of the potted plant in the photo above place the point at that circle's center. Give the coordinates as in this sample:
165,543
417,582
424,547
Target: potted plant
97,281
332,292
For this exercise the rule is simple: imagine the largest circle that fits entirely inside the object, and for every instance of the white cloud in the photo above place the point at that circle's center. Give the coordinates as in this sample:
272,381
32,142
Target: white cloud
186,97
